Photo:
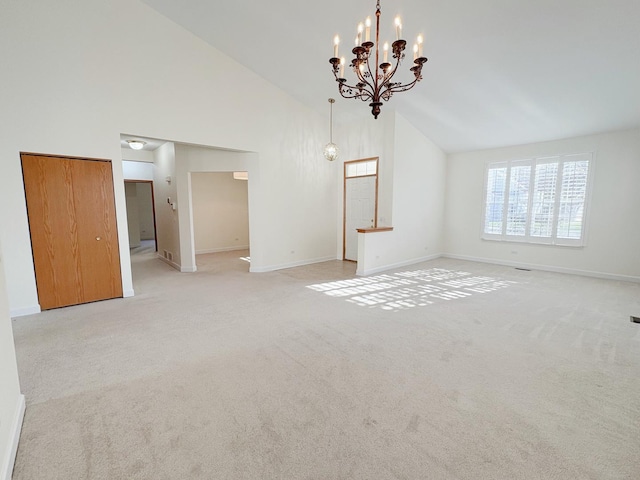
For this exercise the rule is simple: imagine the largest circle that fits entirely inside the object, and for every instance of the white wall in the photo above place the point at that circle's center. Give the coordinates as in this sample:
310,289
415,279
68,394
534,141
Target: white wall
133,214
166,194
131,155
11,401
191,159
145,210
139,212
220,212
135,170
613,228
62,82
366,137
418,195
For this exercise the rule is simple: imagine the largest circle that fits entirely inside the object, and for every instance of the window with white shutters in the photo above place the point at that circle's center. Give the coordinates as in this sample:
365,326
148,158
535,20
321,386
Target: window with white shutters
540,200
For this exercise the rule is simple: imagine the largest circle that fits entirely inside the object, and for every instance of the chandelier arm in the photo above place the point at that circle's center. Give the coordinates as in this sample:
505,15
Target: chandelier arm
357,62
351,91
389,75
392,88
372,76
365,88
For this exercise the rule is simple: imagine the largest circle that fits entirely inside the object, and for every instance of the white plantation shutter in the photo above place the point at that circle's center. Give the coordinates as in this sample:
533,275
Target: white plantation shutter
541,200
495,194
573,195
518,208
544,198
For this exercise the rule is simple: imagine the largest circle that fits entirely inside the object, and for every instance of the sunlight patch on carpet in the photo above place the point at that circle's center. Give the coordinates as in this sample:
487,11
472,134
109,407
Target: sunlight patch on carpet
415,288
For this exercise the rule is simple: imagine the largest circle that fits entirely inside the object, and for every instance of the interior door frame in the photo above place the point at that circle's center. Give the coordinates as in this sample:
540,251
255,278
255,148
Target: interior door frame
153,209
344,199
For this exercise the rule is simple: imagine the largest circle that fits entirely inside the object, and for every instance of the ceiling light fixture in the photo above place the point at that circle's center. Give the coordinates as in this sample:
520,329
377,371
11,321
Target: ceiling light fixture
136,144
374,81
331,149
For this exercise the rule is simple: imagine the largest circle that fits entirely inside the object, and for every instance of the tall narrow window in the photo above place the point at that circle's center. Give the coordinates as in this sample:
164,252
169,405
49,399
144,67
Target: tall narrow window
517,210
541,200
496,182
544,200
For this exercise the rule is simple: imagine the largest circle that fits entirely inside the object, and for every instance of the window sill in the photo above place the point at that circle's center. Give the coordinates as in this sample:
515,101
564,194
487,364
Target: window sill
529,242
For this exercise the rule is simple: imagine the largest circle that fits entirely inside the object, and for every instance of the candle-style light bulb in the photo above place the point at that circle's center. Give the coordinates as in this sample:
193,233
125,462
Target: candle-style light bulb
385,49
342,62
360,30
398,23
415,51
420,42
367,31
336,42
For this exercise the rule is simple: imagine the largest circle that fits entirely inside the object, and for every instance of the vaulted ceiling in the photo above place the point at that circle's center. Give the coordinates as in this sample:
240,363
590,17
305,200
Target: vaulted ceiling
500,72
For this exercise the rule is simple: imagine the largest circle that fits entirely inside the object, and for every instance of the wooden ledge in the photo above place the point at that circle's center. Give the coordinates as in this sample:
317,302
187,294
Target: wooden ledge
373,230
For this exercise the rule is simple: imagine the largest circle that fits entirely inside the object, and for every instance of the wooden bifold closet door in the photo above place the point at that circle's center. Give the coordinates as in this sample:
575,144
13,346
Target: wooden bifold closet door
74,238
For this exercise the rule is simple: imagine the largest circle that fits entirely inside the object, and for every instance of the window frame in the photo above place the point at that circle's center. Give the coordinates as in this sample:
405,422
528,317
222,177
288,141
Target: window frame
560,160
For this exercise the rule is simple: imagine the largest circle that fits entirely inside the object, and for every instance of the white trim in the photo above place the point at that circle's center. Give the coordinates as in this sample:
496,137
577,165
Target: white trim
128,293
168,262
16,428
547,268
222,249
21,312
300,263
189,269
413,261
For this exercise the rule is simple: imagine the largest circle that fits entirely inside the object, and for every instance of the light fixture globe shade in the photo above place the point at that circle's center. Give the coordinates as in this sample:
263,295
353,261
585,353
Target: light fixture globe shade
136,144
331,151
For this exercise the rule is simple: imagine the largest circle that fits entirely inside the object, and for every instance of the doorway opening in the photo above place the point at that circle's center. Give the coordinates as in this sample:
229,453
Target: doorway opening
141,215
360,203
220,206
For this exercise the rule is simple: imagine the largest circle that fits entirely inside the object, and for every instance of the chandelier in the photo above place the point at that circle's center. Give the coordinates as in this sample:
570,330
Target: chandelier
375,81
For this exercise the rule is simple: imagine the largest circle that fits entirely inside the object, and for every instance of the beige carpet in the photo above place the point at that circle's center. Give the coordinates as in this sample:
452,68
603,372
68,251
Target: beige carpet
442,370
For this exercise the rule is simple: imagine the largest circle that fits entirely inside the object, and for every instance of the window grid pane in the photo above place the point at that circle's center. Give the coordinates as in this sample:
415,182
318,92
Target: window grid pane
544,197
496,183
518,209
371,167
572,197
361,169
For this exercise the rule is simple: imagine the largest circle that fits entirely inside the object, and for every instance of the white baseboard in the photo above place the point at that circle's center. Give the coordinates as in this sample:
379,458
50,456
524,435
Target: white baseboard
413,261
547,268
176,266
300,263
168,262
222,249
21,312
16,428
128,293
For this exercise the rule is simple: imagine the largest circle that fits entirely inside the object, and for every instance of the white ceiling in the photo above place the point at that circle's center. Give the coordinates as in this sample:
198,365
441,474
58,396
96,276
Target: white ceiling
500,72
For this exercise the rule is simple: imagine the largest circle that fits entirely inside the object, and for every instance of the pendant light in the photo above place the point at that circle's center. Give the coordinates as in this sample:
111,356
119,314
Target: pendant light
331,149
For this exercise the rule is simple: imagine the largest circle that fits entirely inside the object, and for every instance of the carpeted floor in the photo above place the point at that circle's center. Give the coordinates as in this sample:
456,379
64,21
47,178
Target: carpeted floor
442,370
